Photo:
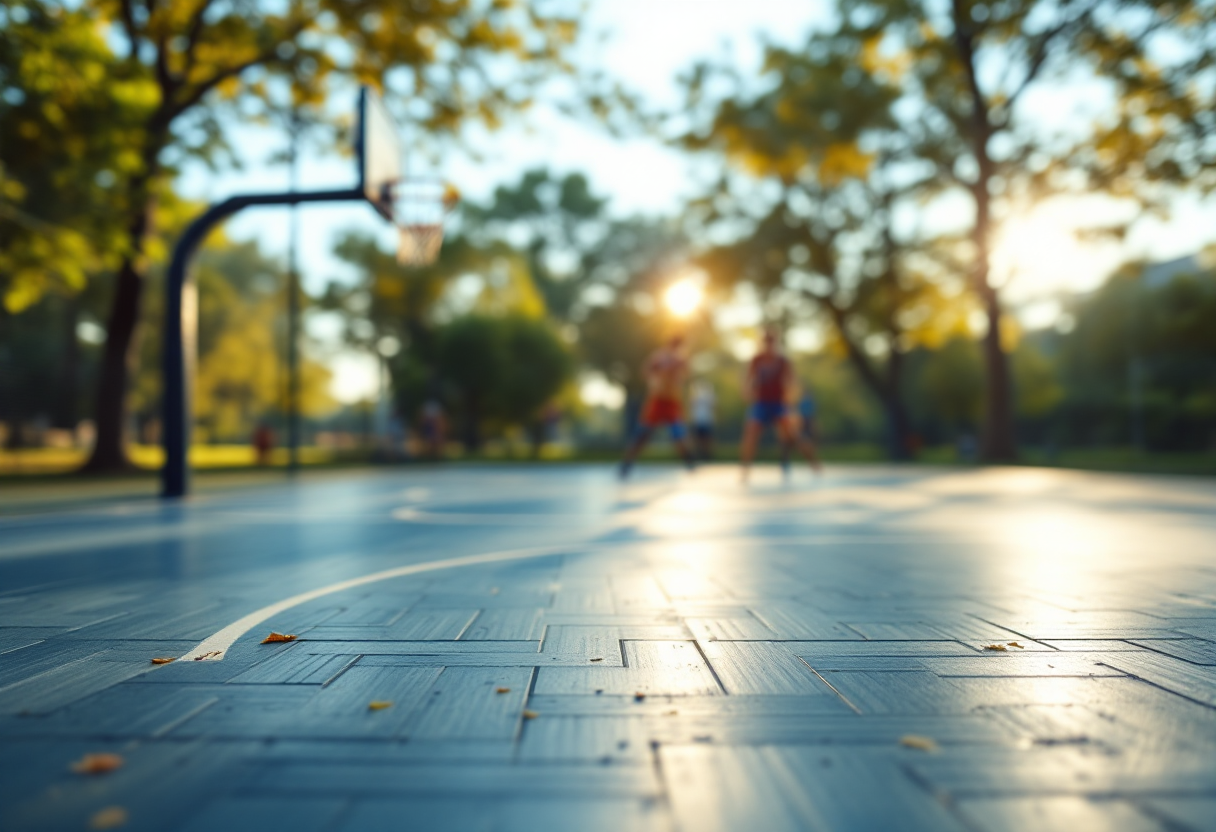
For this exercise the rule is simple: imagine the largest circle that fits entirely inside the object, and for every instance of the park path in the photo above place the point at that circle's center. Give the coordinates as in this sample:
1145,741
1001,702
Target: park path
881,648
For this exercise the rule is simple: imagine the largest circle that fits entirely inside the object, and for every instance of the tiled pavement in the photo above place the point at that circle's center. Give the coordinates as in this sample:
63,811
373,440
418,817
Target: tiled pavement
674,654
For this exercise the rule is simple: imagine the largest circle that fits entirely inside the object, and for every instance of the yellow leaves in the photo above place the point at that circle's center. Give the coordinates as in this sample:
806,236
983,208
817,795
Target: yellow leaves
379,705
502,690
995,647
844,161
918,742
1015,644
275,638
111,817
102,763
164,659
531,714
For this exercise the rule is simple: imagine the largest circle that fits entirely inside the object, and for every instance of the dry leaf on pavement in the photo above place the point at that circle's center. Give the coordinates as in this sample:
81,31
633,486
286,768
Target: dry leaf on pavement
164,659
379,705
97,763
274,638
1015,644
917,742
999,647
110,817
502,690
530,714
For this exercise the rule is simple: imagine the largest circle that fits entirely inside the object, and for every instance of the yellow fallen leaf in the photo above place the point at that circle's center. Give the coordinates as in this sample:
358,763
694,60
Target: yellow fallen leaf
502,690
110,817
1000,647
1015,644
97,763
919,743
378,705
164,659
274,638
206,656
671,713
530,714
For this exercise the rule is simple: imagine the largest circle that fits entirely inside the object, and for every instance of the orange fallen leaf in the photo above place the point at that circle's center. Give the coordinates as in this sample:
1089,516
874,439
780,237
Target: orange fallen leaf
274,638
97,763
671,713
530,714
502,690
164,659
1015,644
919,743
999,647
206,656
379,705
110,817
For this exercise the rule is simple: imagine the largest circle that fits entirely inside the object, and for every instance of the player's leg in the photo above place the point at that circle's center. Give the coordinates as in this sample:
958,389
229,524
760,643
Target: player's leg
792,438
679,434
747,448
640,437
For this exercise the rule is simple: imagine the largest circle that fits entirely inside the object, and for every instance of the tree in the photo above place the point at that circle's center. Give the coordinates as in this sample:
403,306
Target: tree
813,213
63,137
504,368
189,68
968,70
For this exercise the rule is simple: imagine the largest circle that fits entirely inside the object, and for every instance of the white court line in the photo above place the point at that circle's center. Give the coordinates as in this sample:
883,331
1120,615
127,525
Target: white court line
215,646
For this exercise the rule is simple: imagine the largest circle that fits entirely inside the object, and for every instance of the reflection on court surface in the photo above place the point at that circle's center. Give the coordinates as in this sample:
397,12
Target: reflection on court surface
514,648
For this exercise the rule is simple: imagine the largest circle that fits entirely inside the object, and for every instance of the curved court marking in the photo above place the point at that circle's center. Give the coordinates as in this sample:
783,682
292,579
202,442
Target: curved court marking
214,647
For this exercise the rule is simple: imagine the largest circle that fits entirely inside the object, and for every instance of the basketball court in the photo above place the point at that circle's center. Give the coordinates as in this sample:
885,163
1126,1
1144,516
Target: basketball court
506,648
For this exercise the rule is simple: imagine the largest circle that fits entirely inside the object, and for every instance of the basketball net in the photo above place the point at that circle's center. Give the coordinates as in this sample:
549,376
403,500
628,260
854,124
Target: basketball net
419,244
422,207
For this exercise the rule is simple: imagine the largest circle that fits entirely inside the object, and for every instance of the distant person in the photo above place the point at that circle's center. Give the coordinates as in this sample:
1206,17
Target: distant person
805,426
666,371
434,429
769,380
703,419
263,443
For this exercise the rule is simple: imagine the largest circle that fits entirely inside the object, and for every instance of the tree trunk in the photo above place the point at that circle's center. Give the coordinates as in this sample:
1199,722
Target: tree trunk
70,381
110,411
997,441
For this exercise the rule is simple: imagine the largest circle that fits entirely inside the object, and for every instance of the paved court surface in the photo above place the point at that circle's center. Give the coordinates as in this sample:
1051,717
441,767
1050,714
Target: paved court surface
547,649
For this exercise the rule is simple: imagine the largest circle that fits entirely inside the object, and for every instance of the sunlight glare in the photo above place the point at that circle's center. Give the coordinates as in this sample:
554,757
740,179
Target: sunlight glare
683,297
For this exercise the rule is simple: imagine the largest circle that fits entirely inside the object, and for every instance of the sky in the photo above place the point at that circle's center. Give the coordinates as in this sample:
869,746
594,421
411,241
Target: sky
646,44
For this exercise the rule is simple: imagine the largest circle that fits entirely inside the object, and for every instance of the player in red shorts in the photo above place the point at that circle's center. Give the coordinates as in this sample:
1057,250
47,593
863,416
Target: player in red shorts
769,380
666,371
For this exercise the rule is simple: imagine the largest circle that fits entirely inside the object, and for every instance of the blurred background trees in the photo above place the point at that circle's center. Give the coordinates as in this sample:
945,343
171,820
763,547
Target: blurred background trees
829,171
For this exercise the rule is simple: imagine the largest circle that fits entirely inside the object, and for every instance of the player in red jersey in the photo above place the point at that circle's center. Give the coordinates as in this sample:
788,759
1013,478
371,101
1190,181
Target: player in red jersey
769,381
666,371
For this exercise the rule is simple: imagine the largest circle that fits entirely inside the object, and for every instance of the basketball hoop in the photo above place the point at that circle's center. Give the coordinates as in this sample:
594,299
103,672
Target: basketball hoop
421,207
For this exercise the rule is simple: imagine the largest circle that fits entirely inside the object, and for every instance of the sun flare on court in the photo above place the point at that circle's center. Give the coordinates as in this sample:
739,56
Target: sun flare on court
683,297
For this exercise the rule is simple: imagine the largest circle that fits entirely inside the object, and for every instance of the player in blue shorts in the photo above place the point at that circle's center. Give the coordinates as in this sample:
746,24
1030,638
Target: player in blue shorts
769,378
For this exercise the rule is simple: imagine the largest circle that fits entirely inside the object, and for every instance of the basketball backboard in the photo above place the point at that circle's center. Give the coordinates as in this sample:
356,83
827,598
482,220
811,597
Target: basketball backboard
378,151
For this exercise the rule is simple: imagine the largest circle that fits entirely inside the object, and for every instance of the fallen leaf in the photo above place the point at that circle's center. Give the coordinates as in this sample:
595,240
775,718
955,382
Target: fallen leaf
671,713
97,763
638,697
1015,644
274,638
164,659
1000,647
919,743
530,714
110,817
379,705
597,660
502,690
206,656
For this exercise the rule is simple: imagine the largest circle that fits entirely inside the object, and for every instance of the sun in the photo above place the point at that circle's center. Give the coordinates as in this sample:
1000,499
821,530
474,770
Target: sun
683,297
